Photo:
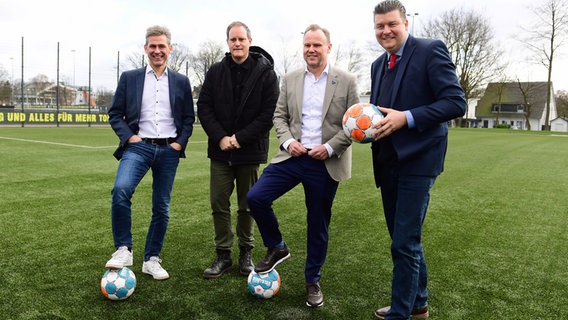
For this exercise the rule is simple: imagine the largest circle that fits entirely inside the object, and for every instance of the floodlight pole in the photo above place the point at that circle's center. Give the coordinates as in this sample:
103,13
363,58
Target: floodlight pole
74,51
22,82
412,27
12,83
89,90
57,90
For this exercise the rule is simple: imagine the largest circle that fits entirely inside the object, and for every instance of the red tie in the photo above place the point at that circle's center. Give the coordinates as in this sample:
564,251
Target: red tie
392,60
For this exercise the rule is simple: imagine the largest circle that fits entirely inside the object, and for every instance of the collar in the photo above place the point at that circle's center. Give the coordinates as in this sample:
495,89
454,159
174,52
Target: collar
400,50
245,65
325,71
150,70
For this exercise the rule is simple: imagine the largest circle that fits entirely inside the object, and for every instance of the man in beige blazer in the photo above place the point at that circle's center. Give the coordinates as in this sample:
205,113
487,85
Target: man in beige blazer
314,151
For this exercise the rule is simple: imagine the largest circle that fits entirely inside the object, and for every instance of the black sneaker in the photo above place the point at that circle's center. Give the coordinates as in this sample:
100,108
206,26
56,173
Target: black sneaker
273,257
315,296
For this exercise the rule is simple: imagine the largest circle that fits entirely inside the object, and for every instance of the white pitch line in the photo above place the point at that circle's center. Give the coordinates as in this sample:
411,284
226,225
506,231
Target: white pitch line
58,143
77,145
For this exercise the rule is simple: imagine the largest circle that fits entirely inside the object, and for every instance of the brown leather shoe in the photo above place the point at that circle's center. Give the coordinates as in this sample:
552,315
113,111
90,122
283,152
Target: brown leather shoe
421,313
273,257
315,296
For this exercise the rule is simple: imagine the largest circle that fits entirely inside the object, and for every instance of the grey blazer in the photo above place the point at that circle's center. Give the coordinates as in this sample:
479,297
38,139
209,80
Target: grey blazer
341,92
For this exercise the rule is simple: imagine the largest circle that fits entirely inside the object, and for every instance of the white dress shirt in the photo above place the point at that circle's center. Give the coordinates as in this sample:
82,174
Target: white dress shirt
156,119
312,111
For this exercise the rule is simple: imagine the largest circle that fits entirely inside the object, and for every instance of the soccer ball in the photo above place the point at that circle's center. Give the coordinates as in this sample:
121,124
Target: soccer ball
264,285
118,284
358,121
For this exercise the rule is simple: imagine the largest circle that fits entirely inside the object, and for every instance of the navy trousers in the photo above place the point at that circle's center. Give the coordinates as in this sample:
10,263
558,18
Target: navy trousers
319,192
405,202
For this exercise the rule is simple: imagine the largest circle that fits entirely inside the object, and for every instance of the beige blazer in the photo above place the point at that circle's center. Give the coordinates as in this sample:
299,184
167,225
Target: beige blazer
341,92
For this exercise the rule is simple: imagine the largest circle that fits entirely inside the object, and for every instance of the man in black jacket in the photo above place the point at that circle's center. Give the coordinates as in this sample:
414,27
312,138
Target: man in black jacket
235,108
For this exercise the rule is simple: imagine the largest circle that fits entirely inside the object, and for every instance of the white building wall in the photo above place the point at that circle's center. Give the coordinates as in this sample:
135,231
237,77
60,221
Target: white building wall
559,125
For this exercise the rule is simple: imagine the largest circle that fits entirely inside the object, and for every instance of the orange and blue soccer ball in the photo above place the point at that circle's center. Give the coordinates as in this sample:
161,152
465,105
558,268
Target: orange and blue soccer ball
358,121
118,284
264,285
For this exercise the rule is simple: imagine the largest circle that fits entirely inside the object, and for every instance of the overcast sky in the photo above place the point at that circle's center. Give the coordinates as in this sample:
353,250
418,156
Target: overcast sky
112,26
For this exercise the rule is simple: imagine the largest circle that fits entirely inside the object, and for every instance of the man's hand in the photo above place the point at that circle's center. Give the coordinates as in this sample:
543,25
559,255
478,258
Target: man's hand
319,153
234,142
229,143
135,138
225,144
296,149
176,146
392,121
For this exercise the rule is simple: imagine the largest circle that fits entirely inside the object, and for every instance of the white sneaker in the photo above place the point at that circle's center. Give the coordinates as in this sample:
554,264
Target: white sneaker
120,259
153,268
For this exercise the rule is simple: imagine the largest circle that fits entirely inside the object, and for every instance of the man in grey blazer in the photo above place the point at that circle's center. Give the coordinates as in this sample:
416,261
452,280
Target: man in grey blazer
314,151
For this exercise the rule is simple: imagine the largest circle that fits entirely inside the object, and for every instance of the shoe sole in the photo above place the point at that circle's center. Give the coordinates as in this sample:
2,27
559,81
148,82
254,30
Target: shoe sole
314,305
275,264
418,316
117,266
245,273
156,277
215,276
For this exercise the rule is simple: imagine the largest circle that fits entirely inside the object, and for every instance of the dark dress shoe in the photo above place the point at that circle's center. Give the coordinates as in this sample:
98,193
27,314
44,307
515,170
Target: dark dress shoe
421,313
273,257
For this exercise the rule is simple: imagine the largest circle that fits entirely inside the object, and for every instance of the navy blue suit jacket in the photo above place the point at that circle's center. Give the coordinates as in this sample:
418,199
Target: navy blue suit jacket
124,114
426,83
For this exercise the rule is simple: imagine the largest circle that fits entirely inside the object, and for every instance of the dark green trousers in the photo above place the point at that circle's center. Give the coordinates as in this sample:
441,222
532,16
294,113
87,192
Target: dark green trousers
223,179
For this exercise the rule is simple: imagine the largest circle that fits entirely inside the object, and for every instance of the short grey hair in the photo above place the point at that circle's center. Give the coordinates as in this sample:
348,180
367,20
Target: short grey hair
237,24
158,31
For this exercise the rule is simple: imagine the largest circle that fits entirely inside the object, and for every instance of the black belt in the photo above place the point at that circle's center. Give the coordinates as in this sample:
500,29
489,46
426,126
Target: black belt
159,142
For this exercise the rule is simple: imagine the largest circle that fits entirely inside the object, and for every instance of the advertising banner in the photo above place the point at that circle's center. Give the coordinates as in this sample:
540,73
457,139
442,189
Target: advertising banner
49,116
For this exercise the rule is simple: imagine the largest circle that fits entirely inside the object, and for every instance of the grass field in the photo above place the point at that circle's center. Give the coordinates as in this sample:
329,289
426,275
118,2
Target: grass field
495,238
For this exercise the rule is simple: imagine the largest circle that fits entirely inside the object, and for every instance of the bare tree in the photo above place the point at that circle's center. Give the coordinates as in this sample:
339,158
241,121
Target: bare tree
179,56
338,56
545,37
355,60
500,88
353,57
5,92
209,53
562,103
5,87
104,98
134,60
470,41
3,74
40,82
527,91
287,59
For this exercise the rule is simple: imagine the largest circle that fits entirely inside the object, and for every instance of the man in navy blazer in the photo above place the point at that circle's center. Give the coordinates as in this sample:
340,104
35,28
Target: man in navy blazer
152,114
415,85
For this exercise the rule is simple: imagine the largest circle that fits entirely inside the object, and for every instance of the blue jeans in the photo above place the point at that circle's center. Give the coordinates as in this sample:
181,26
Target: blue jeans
405,202
319,192
138,158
